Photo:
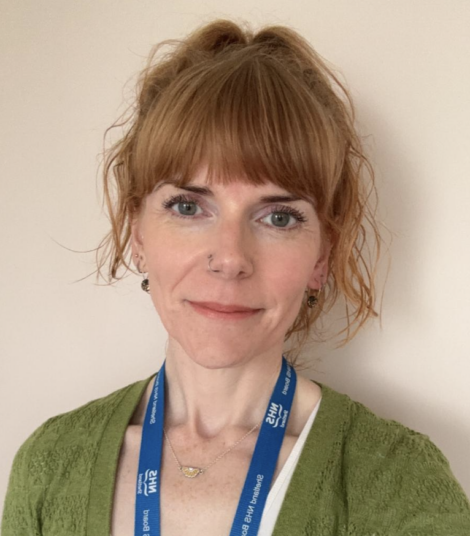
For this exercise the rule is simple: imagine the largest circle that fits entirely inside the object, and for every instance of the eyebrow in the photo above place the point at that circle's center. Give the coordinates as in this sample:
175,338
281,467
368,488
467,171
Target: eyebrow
280,198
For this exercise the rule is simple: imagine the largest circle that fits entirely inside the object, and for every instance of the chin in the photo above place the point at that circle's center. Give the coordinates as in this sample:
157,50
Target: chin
218,356
220,360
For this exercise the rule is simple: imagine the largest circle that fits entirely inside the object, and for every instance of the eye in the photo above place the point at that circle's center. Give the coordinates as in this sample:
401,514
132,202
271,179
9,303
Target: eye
285,217
185,206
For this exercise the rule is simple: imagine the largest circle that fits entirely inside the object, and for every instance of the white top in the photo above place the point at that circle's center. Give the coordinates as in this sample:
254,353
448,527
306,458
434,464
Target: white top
278,491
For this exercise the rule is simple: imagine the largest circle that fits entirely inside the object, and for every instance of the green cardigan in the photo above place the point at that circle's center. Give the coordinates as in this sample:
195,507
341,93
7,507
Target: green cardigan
358,475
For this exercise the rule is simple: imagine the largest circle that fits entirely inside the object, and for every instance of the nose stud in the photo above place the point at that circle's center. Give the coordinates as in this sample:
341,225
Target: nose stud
210,257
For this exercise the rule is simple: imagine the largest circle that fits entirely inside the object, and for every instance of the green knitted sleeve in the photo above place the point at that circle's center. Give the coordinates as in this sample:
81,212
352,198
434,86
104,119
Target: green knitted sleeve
400,484
49,487
433,502
19,514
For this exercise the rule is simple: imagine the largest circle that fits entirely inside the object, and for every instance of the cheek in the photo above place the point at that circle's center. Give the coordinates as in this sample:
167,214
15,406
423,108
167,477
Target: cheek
288,272
171,273
166,254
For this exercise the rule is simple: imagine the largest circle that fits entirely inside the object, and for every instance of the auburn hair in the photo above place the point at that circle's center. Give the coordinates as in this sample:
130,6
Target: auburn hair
254,106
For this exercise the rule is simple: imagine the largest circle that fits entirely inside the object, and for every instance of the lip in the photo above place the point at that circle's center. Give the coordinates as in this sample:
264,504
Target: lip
218,310
229,308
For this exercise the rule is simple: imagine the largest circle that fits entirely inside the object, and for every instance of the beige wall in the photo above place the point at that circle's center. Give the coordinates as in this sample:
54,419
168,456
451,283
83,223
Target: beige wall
63,67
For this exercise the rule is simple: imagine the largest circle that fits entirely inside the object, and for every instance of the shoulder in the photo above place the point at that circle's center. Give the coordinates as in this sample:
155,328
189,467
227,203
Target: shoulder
372,441
364,432
367,433
84,424
61,452
392,468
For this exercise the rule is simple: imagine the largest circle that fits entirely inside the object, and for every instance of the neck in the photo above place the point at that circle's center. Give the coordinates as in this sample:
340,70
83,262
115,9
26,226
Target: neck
207,401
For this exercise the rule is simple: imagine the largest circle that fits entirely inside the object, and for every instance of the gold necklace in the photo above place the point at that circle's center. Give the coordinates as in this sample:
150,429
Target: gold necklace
193,472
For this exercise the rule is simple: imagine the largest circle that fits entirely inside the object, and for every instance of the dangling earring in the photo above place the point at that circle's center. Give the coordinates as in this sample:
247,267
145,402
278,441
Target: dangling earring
145,285
312,300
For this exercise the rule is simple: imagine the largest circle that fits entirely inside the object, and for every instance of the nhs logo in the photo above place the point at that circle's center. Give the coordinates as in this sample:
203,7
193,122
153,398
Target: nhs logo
274,414
150,482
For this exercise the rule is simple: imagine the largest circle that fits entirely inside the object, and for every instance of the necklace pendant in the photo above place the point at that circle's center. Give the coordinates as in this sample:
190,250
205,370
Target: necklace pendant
191,472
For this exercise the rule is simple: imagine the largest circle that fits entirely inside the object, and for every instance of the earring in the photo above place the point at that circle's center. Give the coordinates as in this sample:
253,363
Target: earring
145,285
313,299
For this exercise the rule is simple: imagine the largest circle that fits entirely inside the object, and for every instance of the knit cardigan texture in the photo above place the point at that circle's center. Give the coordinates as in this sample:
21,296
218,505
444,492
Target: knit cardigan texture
358,475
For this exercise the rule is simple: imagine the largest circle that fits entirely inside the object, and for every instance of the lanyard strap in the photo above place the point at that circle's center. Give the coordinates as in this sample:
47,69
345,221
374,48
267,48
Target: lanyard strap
260,473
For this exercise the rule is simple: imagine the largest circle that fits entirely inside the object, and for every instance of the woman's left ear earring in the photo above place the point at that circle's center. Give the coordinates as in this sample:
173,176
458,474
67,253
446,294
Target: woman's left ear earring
312,300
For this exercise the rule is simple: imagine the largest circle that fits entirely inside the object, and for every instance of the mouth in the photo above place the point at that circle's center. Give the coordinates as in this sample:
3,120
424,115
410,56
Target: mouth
222,311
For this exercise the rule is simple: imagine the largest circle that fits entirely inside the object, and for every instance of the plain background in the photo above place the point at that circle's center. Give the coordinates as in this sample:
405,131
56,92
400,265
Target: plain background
67,71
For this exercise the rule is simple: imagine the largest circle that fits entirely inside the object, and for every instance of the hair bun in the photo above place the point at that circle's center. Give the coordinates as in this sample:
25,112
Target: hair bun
217,36
275,36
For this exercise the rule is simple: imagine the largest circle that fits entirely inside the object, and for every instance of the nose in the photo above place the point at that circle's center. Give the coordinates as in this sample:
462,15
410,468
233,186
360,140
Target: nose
231,250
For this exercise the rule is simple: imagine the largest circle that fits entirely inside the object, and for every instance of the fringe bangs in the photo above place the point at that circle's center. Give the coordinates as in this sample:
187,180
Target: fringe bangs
247,120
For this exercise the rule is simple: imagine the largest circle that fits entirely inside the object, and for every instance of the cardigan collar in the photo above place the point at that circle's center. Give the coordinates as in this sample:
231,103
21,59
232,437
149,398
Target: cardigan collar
323,439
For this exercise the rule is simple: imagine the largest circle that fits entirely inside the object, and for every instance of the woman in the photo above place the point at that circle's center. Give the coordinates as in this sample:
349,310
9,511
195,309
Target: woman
240,193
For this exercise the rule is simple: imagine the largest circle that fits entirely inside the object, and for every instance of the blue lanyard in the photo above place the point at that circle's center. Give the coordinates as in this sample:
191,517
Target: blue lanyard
260,473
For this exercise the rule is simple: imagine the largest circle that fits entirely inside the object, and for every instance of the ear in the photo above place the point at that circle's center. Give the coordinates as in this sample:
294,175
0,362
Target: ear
137,245
319,274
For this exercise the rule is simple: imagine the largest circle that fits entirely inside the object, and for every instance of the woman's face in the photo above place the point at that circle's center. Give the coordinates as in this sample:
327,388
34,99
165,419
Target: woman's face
265,252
